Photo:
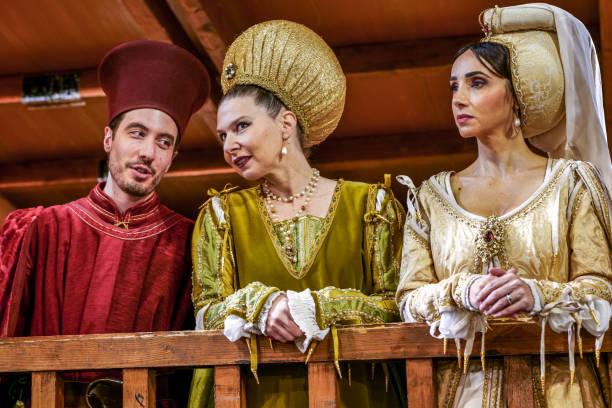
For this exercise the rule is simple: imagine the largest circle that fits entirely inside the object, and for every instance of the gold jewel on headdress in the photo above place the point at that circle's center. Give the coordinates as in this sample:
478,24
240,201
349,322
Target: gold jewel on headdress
230,71
295,64
537,73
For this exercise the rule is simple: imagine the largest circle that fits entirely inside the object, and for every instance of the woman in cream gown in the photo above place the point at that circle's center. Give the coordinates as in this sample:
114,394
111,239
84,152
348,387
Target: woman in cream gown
517,234
298,254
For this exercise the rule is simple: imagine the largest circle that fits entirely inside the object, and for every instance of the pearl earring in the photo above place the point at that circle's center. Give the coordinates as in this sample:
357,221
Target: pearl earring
284,150
517,121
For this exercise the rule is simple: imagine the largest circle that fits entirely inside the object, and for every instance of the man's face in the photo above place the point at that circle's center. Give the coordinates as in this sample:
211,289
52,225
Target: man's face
141,150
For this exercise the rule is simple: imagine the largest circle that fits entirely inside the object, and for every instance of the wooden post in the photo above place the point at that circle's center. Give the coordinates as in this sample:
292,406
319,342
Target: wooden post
229,387
421,390
138,388
47,390
519,386
323,389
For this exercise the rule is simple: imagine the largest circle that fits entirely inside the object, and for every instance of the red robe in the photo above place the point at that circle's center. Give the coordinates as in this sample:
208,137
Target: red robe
90,269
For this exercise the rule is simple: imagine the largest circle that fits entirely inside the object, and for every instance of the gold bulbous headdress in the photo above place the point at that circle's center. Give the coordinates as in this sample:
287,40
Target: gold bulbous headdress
537,73
295,64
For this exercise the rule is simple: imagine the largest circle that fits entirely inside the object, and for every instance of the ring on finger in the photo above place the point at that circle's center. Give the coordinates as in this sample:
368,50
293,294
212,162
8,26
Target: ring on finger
509,298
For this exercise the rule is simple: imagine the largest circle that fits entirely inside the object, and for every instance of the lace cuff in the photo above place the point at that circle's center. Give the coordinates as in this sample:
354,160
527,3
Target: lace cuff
200,317
404,309
303,311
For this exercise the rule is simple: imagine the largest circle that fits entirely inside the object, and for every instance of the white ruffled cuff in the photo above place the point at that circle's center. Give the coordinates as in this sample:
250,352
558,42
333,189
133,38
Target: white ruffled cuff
200,317
303,311
404,308
234,327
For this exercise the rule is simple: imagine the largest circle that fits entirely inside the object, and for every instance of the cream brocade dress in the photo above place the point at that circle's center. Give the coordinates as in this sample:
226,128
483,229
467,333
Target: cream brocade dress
559,242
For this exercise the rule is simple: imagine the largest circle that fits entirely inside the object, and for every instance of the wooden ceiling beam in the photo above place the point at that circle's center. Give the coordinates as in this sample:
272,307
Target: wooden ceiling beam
199,29
336,155
401,55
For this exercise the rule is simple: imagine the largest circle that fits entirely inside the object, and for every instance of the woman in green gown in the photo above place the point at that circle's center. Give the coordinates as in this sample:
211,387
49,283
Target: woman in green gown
298,254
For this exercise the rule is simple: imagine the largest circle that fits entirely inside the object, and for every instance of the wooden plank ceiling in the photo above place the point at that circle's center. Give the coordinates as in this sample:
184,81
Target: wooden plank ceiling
396,55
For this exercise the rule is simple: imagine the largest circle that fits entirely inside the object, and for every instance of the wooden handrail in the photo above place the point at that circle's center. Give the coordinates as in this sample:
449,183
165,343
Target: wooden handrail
138,353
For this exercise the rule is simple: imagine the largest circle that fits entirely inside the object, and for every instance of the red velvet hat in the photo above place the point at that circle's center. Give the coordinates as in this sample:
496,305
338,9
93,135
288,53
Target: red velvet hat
157,75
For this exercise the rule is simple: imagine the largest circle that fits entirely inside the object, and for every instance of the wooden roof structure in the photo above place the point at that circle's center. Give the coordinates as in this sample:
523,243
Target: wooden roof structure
396,55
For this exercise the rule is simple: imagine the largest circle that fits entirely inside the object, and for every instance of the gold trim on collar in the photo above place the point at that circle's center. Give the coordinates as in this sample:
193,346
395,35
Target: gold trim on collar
318,243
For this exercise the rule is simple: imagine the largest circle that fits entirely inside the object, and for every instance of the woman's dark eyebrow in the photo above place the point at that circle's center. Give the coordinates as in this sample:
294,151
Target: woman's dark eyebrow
470,74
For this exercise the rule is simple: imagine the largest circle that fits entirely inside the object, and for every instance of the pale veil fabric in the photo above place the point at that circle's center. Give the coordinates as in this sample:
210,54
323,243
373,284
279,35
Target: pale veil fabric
582,134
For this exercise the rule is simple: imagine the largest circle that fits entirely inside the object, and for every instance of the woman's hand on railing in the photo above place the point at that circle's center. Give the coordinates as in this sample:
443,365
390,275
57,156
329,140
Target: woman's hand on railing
280,325
501,293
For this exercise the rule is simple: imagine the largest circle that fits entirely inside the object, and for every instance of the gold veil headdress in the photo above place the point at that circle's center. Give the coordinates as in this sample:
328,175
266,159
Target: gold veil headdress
556,79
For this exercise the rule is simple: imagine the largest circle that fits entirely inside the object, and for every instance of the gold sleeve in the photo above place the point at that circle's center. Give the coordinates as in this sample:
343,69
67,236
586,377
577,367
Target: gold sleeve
214,270
590,259
383,245
419,290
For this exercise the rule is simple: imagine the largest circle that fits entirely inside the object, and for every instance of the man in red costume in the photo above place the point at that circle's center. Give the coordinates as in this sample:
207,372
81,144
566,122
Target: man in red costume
116,260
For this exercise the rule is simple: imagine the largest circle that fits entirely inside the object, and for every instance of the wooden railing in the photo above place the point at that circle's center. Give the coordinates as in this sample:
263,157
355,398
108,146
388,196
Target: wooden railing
139,354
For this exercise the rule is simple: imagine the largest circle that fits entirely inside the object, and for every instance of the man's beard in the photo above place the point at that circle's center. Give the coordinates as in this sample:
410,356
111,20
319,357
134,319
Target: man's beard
133,187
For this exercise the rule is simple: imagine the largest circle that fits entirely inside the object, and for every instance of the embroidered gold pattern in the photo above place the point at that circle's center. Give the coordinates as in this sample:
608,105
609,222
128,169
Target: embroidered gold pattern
318,242
489,242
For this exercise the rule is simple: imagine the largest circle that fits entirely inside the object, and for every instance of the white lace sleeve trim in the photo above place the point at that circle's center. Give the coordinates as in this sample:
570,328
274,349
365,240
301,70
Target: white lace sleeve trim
303,311
404,308
200,318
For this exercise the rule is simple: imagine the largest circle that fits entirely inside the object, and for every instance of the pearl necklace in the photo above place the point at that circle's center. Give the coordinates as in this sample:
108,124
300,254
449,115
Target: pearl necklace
286,229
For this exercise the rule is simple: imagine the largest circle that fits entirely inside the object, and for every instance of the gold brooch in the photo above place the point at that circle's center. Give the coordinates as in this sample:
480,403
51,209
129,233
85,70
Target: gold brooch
490,239
230,71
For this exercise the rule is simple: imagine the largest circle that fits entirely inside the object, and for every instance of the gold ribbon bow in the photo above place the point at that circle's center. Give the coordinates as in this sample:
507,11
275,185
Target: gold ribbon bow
228,188
373,216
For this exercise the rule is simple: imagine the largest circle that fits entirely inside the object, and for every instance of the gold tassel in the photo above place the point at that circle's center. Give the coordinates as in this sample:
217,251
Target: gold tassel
311,348
542,382
334,331
373,368
482,351
349,373
572,373
458,344
253,351
466,362
597,353
386,370
445,344
594,316
271,343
